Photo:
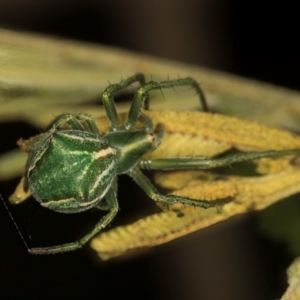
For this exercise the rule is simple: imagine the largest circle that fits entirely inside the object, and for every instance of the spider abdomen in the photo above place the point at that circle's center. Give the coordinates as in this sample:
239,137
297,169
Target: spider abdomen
71,171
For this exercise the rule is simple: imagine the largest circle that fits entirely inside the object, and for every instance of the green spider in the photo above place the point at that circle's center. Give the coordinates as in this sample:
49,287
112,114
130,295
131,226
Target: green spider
72,168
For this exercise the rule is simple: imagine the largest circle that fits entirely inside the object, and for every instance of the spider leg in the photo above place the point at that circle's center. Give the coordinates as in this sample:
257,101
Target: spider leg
113,209
66,119
167,200
108,100
141,94
102,206
74,121
183,163
90,121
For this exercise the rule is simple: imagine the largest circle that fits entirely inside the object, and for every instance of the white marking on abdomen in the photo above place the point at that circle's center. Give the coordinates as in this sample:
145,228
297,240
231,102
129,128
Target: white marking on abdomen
105,152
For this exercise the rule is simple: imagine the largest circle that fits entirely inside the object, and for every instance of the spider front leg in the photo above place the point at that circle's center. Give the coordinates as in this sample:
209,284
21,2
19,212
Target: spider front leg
113,209
167,200
142,93
108,100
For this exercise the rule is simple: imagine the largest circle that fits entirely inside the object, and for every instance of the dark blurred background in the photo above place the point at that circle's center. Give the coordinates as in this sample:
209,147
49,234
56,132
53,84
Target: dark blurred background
232,260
